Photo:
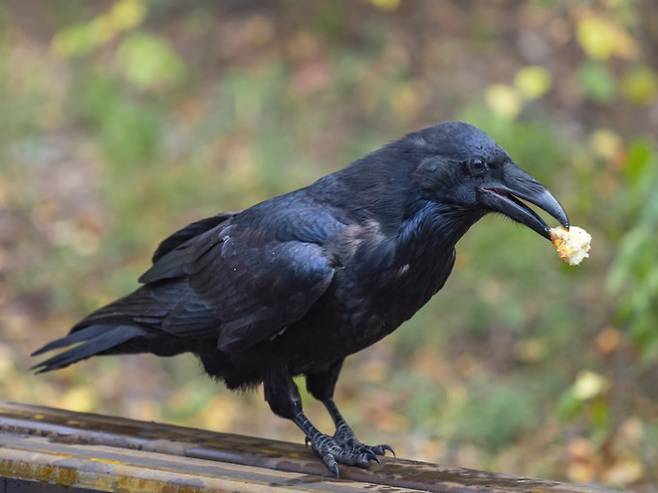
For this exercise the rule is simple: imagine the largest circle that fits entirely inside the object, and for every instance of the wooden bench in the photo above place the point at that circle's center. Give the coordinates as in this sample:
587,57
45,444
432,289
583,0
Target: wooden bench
56,451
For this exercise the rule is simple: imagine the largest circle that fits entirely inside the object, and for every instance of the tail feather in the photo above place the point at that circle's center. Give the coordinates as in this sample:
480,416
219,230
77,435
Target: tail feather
81,335
145,302
131,324
93,340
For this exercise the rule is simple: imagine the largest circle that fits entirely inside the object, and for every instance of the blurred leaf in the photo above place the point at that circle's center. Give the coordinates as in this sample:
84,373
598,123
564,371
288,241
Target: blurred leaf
386,4
503,100
126,14
640,85
582,460
79,398
597,81
638,158
533,82
588,385
608,340
600,415
149,62
606,143
78,39
624,472
81,38
601,38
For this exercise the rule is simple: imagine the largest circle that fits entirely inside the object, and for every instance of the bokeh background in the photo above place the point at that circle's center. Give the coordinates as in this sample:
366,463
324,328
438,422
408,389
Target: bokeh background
124,120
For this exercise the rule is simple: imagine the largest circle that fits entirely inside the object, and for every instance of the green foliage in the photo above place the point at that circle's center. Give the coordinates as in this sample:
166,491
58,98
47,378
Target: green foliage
128,128
597,81
640,85
148,62
633,278
497,415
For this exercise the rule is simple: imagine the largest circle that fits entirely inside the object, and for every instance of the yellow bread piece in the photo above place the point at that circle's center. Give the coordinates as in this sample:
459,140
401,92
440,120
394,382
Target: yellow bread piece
572,244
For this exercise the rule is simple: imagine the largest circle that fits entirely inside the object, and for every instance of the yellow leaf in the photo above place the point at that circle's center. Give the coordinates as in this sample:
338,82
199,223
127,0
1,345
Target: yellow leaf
581,472
102,28
602,38
588,385
126,14
624,472
533,81
605,143
82,38
640,85
503,100
78,399
386,4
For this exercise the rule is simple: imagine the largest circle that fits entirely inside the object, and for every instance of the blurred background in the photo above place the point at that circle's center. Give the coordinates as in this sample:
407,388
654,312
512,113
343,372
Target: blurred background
124,120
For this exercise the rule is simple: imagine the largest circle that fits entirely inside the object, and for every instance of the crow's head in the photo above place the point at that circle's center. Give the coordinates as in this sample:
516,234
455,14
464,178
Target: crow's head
463,166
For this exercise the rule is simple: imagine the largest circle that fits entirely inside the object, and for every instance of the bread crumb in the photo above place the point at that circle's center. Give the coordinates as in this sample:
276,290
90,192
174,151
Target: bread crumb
572,244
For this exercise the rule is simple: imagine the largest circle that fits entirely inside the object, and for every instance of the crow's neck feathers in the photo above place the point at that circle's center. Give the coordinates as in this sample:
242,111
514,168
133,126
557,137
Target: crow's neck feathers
437,227
378,187
385,198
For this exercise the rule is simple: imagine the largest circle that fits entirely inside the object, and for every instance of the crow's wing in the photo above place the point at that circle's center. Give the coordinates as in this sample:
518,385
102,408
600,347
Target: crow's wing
188,232
242,284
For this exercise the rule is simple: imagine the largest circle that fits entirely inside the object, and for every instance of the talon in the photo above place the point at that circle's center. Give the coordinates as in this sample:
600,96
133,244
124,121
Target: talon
350,452
384,448
370,455
334,469
307,441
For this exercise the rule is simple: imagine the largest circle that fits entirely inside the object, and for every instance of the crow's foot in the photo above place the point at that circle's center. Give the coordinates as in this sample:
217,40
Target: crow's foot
344,436
333,453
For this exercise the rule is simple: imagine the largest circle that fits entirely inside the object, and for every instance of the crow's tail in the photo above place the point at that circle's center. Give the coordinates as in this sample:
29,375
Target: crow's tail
90,341
129,325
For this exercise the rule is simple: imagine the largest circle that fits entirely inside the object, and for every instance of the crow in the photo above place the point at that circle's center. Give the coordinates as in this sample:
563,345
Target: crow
293,285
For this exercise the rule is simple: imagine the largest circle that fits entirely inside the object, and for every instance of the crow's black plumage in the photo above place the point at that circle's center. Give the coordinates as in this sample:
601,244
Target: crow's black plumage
296,283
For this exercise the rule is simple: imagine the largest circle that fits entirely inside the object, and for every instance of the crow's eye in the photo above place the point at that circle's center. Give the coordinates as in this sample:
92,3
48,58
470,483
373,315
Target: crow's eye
477,167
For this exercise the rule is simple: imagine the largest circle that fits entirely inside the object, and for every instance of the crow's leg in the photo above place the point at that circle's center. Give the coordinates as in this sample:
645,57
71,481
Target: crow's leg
321,385
283,397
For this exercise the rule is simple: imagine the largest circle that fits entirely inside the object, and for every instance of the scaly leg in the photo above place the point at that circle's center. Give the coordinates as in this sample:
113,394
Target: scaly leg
321,385
345,436
283,397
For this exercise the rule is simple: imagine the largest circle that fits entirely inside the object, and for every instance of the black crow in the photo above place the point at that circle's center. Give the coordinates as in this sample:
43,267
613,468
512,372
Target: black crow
294,284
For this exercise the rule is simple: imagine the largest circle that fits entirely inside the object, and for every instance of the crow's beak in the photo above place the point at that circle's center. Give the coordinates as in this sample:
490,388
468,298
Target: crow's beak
503,196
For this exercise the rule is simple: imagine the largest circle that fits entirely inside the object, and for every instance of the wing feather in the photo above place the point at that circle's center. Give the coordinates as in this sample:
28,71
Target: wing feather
243,284
188,232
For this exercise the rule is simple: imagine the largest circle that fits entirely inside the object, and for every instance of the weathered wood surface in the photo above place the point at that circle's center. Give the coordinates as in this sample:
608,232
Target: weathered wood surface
102,453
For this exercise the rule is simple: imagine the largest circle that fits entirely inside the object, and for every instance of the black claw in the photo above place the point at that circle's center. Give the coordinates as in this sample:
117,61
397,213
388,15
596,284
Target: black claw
333,469
385,448
374,457
345,450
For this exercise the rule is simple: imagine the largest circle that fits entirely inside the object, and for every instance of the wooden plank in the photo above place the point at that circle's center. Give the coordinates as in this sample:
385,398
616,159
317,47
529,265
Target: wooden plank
62,428
101,468
26,486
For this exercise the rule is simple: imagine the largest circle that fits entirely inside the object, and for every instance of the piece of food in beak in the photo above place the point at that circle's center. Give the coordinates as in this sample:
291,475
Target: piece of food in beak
572,244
